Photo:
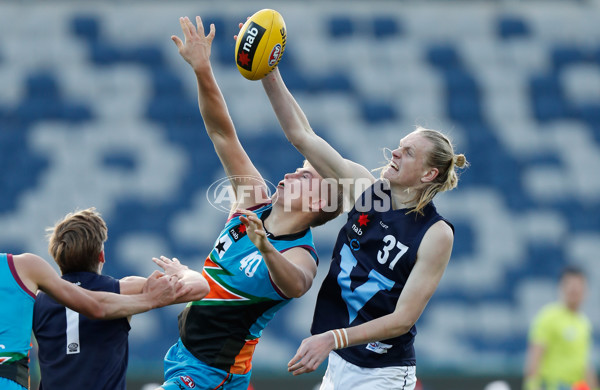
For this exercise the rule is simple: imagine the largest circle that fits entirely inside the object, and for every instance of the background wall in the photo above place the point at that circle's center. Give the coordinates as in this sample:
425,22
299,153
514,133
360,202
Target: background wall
98,109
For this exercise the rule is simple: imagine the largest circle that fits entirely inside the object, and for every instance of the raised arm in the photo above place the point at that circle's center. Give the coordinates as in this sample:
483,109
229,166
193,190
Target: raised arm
322,156
196,50
38,274
432,259
293,271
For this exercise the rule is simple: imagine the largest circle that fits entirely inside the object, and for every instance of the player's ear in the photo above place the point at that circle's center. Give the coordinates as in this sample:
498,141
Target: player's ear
429,175
101,257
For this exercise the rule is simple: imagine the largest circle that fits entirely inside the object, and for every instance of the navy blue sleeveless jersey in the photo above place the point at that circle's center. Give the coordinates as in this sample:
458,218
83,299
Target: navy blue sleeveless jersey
76,352
374,254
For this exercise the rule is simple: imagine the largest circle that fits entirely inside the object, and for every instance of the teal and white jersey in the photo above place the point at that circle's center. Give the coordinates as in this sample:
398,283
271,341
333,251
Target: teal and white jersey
222,329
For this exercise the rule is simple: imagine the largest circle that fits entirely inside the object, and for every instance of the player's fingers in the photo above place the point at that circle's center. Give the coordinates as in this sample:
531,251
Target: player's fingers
165,259
211,33
155,275
184,28
176,260
184,290
200,25
190,27
178,41
297,357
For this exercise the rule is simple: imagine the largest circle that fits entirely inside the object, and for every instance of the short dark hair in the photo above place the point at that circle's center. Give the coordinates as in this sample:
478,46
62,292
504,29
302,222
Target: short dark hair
571,270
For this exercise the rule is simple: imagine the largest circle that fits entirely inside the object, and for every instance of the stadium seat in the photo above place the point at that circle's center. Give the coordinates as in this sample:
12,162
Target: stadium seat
86,27
510,27
375,112
341,26
386,27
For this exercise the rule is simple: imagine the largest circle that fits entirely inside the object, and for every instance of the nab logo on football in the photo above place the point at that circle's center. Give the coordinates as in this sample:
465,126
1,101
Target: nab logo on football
188,381
250,41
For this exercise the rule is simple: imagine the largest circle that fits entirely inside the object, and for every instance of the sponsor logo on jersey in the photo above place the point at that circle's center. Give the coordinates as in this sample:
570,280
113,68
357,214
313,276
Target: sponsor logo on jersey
249,43
361,223
72,348
238,232
357,230
188,381
378,347
4,359
222,245
354,244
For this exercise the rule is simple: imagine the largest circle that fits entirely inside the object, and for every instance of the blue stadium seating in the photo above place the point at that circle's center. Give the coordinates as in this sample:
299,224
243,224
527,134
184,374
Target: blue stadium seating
525,167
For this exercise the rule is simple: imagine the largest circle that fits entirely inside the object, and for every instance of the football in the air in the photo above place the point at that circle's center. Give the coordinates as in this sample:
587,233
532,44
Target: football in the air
260,44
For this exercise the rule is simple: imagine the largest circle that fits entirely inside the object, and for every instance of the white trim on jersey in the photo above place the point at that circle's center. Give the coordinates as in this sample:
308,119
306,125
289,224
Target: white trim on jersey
73,345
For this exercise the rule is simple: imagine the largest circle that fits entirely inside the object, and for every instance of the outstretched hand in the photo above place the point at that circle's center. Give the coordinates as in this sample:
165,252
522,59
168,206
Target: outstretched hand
164,289
311,353
196,47
171,267
255,230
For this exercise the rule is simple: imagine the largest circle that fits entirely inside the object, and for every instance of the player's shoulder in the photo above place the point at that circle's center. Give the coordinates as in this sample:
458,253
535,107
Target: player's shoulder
439,234
27,260
550,312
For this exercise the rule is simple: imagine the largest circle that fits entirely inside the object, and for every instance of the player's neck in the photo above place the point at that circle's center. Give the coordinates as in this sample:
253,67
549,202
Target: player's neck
403,199
281,222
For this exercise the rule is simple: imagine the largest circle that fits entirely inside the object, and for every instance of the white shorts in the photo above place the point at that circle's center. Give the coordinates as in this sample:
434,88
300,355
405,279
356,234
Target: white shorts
341,375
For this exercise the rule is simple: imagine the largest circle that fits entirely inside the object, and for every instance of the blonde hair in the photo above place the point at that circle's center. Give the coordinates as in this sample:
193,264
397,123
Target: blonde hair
442,157
75,243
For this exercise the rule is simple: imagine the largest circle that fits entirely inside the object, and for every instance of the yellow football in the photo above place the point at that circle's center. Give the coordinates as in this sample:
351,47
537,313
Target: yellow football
260,44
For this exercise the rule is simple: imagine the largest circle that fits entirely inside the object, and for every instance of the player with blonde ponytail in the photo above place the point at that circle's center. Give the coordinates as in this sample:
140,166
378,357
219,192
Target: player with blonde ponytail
388,259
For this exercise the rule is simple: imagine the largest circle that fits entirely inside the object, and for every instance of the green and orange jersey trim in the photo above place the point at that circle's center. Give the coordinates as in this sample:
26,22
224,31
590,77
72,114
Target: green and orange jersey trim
222,293
11,357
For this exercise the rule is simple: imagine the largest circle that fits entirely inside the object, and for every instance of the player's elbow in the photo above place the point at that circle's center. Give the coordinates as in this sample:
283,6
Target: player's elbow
299,288
402,324
299,137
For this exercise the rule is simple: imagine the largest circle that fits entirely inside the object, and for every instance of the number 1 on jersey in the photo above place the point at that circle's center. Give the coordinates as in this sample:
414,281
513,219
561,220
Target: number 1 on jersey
73,345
